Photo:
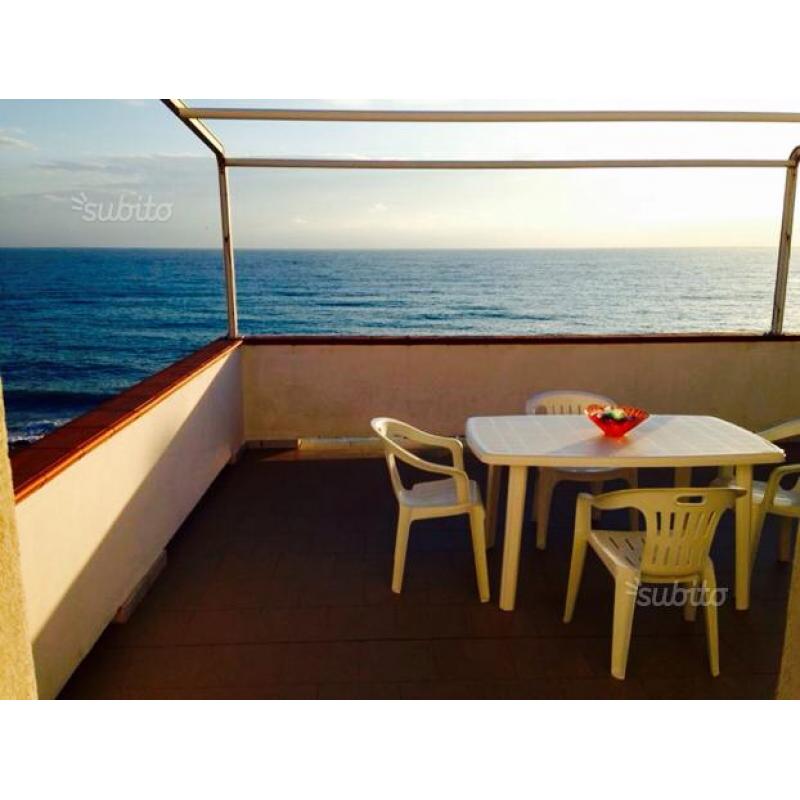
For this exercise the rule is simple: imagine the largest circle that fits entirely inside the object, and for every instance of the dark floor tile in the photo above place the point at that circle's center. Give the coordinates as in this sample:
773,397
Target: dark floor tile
706,687
758,654
266,595
151,626
247,665
377,583
295,625
443,690
184,584
278,691
543,689
551,658
360,622
321,662
487,621
386,661
360,691
608,688
343,589
441,621
224,626
474,659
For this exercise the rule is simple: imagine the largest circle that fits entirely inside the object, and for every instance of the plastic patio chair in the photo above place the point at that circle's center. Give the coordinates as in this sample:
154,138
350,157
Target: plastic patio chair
453,495
674,549
569,402
770,497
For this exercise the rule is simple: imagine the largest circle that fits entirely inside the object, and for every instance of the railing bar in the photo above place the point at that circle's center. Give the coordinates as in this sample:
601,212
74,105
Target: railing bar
178,107
227,249
376,115
785,244
325,163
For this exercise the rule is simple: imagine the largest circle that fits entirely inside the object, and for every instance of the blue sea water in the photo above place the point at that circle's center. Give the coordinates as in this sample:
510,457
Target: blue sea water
79,325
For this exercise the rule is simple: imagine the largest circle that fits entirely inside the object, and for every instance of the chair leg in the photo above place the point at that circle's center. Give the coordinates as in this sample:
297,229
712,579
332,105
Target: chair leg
543,496
477,527
757,519
633,515
785,539
400,548
579,546
690,606
624,606
683,477
596,488
710,607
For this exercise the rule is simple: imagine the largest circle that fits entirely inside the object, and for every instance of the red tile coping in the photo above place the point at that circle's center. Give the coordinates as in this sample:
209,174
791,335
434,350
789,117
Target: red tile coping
35,465
546,339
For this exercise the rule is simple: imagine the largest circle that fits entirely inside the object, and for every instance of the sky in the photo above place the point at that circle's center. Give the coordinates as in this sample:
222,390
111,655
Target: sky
65,165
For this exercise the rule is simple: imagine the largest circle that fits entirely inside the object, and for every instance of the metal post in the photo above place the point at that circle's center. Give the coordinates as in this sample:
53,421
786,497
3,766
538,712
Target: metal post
227,249
785,246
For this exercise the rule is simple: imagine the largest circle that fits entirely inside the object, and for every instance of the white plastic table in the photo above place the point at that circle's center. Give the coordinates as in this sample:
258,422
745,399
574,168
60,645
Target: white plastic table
549,440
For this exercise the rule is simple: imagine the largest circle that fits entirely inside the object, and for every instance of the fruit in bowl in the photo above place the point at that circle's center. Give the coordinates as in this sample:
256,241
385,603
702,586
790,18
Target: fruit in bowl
616,421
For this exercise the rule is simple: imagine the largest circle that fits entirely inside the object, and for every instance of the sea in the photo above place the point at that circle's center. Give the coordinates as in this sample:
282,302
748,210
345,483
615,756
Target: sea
79,325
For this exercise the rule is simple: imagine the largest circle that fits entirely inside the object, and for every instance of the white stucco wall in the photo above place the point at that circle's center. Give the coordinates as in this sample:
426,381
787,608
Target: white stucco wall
17,678
332,390
90,534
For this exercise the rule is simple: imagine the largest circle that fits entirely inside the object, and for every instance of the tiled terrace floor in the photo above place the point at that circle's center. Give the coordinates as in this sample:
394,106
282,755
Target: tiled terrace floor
277,586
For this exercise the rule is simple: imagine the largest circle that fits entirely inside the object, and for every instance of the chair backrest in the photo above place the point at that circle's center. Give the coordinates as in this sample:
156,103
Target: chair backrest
564,401
679,525
393,431
788,429
389,430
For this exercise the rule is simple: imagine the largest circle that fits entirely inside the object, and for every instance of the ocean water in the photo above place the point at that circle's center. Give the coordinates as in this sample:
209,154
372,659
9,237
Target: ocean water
79,325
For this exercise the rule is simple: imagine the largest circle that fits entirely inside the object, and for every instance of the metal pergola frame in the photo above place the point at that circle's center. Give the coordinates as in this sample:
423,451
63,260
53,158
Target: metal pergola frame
193,119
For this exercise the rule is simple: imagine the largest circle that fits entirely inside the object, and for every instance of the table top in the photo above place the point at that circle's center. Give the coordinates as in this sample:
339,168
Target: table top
554,440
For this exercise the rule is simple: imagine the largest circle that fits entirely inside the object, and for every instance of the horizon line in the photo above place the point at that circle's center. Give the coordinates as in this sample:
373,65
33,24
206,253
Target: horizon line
394,249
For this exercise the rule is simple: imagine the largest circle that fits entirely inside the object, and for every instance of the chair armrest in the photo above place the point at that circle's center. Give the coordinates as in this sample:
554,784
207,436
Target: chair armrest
583,515
783,430
449,443
774,482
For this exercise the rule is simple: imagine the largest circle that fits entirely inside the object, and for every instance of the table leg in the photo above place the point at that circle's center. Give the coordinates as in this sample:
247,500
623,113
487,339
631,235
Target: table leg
515,507
492,499
683,477
744,506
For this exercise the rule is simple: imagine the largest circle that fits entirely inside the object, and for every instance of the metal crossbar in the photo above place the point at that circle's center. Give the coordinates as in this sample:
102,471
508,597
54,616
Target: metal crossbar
192,118
372,115
363,163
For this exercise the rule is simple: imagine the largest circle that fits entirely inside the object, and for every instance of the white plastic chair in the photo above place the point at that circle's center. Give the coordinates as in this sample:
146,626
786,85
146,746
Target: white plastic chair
456,494
569,402
679,528
770,497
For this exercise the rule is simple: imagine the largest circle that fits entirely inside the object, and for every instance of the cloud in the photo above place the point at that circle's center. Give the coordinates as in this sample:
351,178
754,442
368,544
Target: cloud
106,167
13,141
163,175
300,221
378,208
122,165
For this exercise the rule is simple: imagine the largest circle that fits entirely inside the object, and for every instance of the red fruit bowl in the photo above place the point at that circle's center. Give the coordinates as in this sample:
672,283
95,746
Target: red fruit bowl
607,421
